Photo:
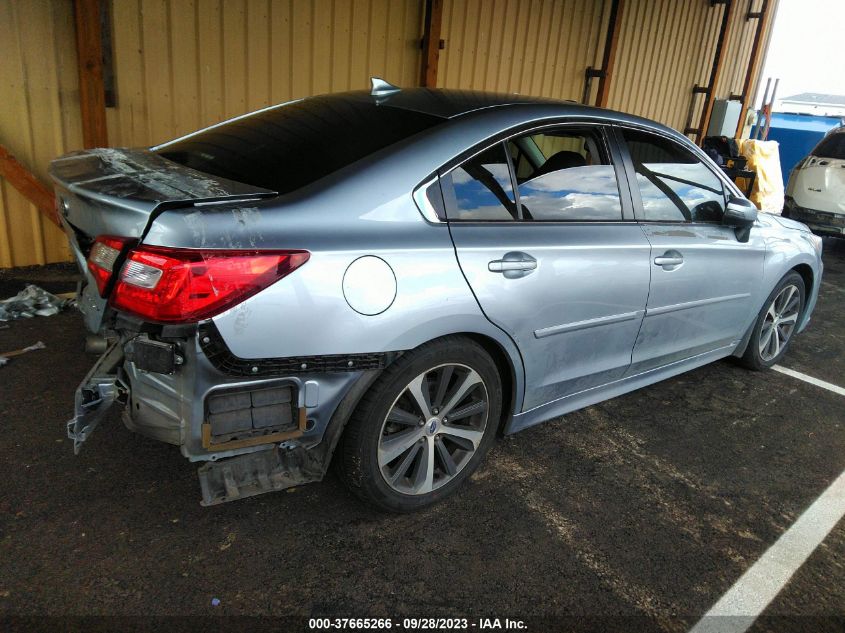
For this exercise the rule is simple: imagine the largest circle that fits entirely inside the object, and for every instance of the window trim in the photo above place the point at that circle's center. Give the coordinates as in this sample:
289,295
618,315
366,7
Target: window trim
602,128
729,188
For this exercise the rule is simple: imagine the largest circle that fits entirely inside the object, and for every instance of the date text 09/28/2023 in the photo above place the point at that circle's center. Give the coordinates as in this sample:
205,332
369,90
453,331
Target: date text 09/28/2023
416,624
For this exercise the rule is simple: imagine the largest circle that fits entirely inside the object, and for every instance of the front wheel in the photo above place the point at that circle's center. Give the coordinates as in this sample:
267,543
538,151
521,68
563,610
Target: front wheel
776,323
423,427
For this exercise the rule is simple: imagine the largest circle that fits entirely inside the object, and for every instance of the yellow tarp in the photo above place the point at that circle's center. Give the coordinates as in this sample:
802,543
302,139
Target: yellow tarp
764,159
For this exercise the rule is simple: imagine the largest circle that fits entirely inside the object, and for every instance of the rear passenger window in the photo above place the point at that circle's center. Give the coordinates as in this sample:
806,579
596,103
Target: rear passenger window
564,175
674,185
480,189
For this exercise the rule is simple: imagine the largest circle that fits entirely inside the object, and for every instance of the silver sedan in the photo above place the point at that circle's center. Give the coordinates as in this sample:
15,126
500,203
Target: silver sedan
386,280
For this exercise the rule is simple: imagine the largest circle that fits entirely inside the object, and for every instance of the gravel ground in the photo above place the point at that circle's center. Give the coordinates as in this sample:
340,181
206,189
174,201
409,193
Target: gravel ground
638,513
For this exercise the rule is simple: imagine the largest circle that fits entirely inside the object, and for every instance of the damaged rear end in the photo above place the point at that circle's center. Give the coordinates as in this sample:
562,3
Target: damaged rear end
151,309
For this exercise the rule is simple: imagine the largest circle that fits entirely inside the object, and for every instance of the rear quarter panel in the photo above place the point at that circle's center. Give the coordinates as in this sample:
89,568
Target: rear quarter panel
306,313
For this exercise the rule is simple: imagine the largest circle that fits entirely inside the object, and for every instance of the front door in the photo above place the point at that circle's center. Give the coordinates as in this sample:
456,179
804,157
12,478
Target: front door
548,244
702,276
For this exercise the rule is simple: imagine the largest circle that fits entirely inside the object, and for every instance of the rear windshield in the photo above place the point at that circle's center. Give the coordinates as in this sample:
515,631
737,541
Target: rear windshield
831,147
291,146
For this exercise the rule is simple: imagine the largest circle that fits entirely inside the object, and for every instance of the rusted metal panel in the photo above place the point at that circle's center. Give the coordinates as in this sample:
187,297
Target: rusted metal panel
28,185
431,42
89,51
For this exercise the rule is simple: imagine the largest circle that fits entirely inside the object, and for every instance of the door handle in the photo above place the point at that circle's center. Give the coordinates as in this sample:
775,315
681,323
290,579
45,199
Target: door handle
501,266
670,260
513,265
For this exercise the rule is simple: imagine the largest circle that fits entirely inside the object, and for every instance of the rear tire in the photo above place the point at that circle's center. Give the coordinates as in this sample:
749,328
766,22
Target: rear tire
776,323
423,427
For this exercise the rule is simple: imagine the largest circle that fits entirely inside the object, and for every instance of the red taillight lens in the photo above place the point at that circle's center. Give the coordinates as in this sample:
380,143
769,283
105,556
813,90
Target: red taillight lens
184,285
101,259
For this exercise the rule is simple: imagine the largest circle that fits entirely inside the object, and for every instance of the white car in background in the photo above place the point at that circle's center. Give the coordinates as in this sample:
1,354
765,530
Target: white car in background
815,194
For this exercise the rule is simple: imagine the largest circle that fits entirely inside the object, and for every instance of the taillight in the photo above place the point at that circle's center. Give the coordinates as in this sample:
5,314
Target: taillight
102,258
183,285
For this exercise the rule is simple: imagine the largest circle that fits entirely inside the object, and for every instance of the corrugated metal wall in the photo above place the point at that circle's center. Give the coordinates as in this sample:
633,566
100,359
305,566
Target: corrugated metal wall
664,49
536,47
740,40
39,117
183,64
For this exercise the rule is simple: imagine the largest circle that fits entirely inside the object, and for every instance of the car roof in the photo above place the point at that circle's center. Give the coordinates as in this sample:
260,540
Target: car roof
452,104
449,104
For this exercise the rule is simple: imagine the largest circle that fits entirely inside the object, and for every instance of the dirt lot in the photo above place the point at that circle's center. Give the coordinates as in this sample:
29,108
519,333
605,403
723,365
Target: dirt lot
638,513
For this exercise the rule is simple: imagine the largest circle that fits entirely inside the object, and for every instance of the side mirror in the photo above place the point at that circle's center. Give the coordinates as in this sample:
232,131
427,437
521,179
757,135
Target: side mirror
740,214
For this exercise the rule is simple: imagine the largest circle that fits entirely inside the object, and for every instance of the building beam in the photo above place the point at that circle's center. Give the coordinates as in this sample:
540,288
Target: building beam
431,43
611,40
747,96
89,52
716,69
28,185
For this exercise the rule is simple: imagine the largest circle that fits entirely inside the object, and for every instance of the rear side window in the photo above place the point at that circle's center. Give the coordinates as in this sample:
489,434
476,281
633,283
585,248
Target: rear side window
480,189
831,147
288,147
569,178
674,185
561,175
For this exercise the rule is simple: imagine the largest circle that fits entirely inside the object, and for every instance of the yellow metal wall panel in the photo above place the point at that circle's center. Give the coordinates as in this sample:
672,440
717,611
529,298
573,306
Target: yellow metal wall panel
665,48
539,47
39,117
184,64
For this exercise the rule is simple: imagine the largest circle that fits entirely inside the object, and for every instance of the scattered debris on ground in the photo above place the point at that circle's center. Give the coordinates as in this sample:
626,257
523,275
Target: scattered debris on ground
5,356
30,302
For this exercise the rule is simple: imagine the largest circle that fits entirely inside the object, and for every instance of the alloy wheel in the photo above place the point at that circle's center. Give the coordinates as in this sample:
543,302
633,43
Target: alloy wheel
779,322
433,429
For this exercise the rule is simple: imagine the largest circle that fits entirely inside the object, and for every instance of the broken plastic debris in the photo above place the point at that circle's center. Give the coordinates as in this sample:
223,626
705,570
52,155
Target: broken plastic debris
5,356
215,602
31,301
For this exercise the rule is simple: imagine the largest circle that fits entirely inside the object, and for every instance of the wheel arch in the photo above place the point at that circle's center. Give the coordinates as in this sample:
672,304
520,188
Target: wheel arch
507,372
808,276
805,271
512,389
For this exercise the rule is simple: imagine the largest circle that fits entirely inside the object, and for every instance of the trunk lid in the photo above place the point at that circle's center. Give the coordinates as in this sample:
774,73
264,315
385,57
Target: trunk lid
119,192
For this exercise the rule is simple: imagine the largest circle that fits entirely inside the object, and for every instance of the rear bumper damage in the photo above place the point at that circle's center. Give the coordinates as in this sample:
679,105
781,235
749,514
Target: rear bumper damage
255,434
101,388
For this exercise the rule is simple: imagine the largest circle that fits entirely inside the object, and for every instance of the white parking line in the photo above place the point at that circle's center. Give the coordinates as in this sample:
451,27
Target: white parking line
736,611
813,381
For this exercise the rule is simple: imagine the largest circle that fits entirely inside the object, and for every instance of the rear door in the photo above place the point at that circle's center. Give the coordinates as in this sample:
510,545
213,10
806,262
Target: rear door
702,276
544,232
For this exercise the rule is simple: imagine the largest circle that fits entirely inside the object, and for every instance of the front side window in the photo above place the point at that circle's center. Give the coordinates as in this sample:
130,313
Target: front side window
565,175
674,185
